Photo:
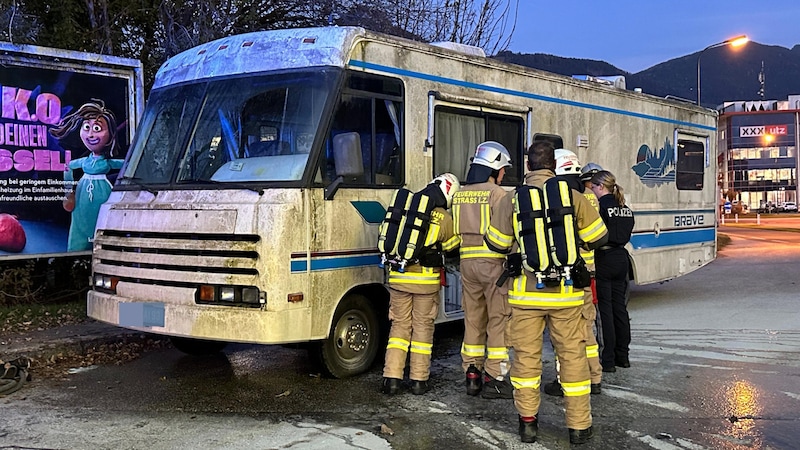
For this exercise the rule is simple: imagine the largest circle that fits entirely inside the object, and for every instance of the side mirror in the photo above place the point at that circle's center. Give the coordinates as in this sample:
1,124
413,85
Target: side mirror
330,190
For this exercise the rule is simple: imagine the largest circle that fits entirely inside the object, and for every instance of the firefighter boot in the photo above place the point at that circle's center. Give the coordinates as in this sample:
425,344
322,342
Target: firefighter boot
528,428
474,381
580,436
493,388
420,387
553,389
391,386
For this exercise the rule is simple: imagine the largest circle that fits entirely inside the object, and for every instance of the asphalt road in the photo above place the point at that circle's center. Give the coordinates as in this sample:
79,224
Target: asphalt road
715,364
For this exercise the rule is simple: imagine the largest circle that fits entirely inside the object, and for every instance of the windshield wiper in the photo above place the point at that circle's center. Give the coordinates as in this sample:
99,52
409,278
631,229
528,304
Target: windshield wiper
134,180
259,191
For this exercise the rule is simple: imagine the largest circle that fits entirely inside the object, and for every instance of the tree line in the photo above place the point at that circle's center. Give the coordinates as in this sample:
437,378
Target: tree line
152,31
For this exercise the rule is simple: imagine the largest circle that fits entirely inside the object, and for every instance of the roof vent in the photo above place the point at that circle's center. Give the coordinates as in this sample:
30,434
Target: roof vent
618,81
461,48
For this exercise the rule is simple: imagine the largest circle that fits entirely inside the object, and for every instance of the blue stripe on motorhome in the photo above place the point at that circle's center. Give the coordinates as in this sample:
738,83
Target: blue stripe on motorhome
672,211
544,98
672,238
337,262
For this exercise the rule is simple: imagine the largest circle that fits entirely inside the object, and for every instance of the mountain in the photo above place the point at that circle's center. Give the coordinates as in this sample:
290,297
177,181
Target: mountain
726,74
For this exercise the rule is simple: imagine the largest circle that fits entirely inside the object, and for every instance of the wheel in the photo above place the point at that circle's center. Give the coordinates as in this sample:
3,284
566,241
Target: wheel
353,343
197,347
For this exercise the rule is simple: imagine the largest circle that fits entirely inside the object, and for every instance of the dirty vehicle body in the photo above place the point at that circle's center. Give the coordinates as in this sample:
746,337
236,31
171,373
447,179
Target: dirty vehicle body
250,203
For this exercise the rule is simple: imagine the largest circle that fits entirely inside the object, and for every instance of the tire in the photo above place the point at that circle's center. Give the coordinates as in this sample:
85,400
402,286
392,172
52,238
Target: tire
197,347
352,345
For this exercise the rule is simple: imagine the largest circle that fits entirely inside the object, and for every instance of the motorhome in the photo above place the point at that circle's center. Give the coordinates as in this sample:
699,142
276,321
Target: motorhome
249,206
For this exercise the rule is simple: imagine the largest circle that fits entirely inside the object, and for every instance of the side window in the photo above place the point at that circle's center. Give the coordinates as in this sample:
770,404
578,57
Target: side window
363,146
690,165
458,132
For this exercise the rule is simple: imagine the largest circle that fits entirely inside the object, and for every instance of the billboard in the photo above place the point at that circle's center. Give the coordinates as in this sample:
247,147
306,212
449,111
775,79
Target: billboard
63,136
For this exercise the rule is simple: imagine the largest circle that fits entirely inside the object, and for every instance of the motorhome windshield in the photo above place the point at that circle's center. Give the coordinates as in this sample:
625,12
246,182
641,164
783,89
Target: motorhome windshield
258,129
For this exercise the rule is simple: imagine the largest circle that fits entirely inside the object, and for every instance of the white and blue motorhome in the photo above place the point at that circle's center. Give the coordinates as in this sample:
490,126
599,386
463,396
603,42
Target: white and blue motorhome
249,206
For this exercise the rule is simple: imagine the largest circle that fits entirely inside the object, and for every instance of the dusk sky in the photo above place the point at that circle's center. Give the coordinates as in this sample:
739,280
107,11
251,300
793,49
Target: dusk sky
634,35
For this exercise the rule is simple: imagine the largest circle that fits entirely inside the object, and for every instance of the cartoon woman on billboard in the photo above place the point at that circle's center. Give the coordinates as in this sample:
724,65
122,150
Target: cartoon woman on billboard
98,130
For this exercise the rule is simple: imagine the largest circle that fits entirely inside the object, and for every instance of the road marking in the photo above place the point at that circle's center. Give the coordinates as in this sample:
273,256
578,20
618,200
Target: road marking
664,445
793,395
630,396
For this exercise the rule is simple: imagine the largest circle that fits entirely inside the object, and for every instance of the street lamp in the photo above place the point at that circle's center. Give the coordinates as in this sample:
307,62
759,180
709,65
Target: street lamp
733,42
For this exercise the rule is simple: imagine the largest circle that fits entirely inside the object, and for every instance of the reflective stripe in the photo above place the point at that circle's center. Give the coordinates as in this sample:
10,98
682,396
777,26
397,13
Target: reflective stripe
565,192
486,214
498,239
422,348
479,252
433,234
497,353
526,383
429,275
451,243
592,351
576,389
547,301
473,350
398,343
593,231
456,217
416,225
519,295
588,257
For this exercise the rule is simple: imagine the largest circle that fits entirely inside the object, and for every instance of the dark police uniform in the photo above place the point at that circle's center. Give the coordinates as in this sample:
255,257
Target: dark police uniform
612,267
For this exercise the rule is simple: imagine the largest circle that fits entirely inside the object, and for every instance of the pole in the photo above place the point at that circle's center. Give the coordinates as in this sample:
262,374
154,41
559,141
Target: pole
698,74
739,40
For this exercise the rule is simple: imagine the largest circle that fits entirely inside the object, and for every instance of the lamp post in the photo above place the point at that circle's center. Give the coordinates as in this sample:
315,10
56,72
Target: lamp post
733,42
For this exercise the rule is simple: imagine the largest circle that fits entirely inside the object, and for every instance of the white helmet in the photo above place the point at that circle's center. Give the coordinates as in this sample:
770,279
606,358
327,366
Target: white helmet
449,185
492,154
567,162
589,170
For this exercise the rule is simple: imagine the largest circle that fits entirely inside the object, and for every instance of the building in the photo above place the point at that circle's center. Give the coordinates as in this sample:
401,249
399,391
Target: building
757,151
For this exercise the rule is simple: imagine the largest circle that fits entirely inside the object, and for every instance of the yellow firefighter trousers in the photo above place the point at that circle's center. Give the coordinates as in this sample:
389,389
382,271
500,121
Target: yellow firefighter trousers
486,312
589,313
567,331
412,317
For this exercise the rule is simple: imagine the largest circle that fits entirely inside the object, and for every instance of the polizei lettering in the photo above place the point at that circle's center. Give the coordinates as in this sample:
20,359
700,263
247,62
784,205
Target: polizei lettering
618,211
686,220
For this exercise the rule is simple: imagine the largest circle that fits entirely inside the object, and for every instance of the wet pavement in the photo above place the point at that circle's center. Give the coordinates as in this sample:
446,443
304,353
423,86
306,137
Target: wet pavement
715,365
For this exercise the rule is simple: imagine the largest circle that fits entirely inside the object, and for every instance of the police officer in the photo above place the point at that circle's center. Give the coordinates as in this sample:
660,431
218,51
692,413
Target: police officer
559,307
569,168
414,297
612,271
485,308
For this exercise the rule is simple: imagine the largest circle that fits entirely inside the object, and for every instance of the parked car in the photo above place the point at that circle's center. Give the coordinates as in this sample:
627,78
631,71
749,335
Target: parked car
788,207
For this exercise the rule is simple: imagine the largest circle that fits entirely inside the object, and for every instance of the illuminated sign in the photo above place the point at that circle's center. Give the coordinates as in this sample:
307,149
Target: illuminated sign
761,130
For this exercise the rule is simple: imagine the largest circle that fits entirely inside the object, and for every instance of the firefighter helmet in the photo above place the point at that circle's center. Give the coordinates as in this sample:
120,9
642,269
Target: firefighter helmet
449,185
589,170
567,162
493,155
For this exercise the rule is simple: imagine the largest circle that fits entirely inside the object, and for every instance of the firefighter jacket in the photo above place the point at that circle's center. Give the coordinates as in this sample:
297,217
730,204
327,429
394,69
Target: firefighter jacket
586,253
591,230
417,278
473,208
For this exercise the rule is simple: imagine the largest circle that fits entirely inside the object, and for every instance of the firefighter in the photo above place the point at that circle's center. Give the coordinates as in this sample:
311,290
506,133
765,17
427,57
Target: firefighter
414,298
568,166
559,308
484,354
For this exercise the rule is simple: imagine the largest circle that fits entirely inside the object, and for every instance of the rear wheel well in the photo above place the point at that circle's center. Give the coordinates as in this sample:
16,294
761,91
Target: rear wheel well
357,335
